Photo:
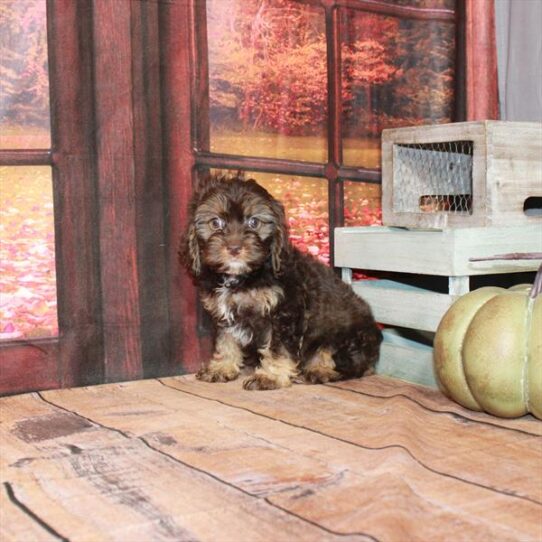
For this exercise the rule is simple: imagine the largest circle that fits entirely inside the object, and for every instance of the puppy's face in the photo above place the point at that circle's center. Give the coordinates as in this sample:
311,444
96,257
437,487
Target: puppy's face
235,227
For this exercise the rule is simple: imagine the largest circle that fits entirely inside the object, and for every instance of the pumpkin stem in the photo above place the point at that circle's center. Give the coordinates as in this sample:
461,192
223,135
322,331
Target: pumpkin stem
537,284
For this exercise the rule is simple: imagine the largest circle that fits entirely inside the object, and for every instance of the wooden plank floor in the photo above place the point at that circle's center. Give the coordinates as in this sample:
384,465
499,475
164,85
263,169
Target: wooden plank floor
176,459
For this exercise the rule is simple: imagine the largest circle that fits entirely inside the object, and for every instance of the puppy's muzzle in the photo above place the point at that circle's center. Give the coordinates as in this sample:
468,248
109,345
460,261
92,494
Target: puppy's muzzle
234,243
234,249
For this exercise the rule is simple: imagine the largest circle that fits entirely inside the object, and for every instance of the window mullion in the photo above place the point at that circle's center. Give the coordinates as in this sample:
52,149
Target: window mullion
272,165
25,157
200,93
334,132
334,85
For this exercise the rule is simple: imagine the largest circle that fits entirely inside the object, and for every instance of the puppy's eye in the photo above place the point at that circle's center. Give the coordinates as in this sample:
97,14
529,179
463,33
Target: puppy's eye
217,223
253,222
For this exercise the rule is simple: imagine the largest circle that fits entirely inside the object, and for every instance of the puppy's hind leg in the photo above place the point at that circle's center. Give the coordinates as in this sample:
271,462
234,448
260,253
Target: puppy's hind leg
357,356
226,362
275,371
321,368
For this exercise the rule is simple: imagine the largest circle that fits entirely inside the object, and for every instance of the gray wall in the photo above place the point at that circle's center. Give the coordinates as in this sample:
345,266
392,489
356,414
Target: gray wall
519,56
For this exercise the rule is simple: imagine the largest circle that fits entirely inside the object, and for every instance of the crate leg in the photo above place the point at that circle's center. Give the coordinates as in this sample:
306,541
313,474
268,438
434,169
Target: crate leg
346,275
458,286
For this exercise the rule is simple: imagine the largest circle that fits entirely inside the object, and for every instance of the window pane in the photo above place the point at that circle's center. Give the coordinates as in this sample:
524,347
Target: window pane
362,204
24,77
27,257
394,73
267,79
305,200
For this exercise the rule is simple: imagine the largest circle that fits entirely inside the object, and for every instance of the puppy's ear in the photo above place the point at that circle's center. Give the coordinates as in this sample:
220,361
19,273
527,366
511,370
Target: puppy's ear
189,251
206,180
280,238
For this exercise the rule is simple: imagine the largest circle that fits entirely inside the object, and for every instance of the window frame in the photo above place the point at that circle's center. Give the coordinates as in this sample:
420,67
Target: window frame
110,234
123,174
334,171
186,141
50,362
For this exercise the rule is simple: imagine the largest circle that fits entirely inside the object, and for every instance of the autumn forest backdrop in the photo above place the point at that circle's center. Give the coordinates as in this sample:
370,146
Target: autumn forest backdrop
268,76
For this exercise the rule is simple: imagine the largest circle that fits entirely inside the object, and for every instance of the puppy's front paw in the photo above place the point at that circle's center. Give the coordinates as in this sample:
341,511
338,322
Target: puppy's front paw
321,375
260,381
217,374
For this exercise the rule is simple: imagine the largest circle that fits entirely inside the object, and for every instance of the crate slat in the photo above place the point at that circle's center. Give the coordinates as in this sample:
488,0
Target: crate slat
436,252
398,304
406,359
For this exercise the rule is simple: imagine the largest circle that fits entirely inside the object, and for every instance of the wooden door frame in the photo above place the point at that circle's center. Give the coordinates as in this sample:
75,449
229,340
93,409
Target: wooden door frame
106,157
186,140
124,83
55,362
179,92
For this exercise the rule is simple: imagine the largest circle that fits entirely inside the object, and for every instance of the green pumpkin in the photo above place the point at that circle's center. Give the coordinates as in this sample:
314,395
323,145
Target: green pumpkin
488,351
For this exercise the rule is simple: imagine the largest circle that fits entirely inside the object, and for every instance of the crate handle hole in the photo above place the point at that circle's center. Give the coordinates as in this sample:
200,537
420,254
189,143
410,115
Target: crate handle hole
533,206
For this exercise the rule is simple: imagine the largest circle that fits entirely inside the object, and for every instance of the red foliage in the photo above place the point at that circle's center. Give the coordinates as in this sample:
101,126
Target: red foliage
27,257
268,65
307,211
268,68
23,62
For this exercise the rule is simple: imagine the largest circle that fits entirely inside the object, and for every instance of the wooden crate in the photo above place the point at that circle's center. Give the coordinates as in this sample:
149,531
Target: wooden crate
462,174
445,253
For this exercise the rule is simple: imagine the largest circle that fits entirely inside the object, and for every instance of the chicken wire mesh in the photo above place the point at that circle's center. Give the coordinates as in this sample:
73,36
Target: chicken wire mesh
433,177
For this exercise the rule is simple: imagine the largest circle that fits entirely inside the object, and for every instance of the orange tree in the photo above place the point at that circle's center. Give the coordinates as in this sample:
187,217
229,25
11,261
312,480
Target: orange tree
268,65
23,63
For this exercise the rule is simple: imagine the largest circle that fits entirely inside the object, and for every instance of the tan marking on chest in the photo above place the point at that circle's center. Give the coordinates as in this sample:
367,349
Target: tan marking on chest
224,304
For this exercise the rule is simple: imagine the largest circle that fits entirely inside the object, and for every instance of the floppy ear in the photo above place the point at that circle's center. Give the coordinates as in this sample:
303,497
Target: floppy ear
280,238
189,251
206,181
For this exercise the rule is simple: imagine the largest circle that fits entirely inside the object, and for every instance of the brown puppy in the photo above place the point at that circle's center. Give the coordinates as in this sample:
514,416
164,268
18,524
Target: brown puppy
273,306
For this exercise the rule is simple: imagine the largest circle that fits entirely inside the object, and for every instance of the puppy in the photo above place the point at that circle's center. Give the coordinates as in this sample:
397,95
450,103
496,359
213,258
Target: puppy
274,307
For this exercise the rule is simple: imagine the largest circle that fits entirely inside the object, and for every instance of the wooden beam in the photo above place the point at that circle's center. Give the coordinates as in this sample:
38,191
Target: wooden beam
177,20
27,366
25,157
113,85
75,201
150,201
481,60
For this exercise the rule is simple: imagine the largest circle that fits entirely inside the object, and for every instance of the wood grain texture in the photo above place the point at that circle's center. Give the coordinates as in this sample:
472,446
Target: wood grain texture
178,459
514,163
481,61
77,357
17,523
434,401
29,366
116,189
133,490
151,208
75,200
25,157
437,252
417,434
178,48
397,304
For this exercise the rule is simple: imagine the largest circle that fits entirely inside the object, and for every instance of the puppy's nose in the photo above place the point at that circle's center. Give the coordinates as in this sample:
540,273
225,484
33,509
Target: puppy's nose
234,250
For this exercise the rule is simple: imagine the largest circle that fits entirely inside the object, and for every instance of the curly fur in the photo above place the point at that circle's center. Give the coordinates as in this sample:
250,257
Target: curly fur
274,307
